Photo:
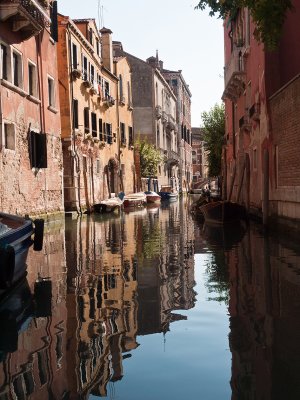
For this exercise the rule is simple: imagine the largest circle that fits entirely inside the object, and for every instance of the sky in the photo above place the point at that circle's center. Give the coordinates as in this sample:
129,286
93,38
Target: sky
186,39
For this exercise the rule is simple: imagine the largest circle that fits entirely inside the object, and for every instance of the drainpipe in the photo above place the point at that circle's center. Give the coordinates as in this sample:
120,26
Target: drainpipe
1,121
118,131
74,153
42,104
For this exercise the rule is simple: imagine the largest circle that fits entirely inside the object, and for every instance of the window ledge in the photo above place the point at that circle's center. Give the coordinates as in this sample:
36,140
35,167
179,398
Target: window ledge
34,99
53,109
11,86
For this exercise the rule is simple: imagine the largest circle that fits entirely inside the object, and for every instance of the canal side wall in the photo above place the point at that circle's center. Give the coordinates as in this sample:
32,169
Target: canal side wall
285,120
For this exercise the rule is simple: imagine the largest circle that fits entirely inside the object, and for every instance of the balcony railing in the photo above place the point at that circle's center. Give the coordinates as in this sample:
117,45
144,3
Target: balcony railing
164,117
171,122
28,17
234,76
158,112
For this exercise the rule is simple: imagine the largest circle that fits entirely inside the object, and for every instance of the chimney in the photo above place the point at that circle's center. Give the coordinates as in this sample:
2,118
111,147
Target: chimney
117,49
106,48
161,65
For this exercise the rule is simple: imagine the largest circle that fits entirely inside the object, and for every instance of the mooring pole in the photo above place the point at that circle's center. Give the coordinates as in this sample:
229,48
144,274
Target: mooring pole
266,188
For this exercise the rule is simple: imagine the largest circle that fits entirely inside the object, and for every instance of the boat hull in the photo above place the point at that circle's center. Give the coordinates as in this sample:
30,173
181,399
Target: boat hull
15,241
135,200
152,197
223,212
168,196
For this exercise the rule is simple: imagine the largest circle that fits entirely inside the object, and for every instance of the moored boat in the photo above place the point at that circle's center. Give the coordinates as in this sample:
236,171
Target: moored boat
109,205
135,200
152,197
168,193
17,234
223,212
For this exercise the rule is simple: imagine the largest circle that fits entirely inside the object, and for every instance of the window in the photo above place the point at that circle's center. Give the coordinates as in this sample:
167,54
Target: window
3,61
74,56
94,125
51,99
106,89
98,166
75,114
38,150
32,80
86,118
84,68
129,93
174,82
122,132
91,35
92,73
130,136
108,133
100,130
9,138
121,87
123,169
97,47
17,69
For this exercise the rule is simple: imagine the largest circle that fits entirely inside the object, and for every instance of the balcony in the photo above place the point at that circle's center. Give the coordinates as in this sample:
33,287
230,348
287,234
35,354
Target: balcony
158,112
164,117
28,17
170,123
234,76
245,123
171,157
108,101
254,112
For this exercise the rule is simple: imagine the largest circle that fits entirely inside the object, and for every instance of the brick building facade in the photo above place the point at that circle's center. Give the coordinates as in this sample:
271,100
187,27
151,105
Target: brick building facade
31,155
260,158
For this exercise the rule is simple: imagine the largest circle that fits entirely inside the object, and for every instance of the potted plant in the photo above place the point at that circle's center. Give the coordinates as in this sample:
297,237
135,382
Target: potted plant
76,73
87,84
93,91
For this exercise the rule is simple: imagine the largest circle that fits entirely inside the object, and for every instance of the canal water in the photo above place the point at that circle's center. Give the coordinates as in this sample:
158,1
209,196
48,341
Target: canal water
153,304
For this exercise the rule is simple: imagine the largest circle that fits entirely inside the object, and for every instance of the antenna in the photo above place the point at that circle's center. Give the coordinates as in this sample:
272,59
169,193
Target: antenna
100,15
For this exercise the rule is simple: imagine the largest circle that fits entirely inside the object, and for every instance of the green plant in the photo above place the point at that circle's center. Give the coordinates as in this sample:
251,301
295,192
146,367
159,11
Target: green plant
213,134
150,158
268,16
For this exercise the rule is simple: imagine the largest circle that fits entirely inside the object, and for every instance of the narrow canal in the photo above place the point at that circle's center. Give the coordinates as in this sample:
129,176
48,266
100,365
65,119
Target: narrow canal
153,304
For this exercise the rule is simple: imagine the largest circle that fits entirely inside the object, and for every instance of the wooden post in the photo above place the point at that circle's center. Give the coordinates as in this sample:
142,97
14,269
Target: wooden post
241,181
232,181
265,205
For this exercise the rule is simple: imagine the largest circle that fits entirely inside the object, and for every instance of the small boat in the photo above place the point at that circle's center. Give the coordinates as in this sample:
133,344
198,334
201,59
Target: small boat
223,212
17,234
168,193
134,200
108,205
152,197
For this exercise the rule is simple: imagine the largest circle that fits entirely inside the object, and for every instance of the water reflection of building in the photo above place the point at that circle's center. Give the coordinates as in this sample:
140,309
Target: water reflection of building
33,353
264,318
102,306
165,268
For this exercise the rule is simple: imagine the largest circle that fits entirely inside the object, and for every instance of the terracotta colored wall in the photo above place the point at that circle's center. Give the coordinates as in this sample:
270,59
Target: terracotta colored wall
24,189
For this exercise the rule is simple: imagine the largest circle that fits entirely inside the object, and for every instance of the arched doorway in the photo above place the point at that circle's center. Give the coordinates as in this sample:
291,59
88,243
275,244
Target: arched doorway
112,176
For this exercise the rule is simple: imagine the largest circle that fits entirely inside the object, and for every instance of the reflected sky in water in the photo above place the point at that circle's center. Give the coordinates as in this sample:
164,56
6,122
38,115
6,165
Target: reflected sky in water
152,304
